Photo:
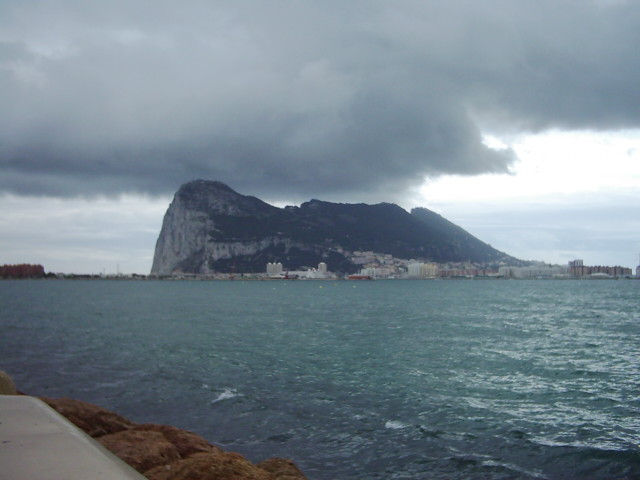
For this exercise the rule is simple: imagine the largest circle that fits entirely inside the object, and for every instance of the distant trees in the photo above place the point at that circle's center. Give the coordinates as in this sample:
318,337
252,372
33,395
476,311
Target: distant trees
22,270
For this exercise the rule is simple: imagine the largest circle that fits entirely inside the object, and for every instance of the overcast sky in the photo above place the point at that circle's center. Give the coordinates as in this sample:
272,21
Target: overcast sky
518,120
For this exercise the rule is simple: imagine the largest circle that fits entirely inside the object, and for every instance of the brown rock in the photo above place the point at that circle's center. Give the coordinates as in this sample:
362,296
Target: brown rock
7,387
210,466
142,450
282,469
93,420
187,443
162,452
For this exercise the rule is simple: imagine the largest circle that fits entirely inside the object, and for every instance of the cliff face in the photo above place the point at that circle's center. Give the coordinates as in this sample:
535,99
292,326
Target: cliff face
208,225
182,240
211,228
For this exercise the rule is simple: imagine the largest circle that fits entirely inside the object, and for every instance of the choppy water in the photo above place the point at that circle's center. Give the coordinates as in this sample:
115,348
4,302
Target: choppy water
353,380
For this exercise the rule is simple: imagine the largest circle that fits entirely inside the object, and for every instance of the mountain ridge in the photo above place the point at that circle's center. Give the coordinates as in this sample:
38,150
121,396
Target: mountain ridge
211,228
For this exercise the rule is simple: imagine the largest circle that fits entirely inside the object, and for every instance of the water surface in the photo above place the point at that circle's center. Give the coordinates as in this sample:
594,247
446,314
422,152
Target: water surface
451,379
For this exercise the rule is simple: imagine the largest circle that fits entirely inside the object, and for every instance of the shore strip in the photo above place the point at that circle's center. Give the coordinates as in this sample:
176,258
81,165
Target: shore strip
158,452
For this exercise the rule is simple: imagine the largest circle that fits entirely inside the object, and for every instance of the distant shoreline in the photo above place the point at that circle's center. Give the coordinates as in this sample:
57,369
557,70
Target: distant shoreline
256,277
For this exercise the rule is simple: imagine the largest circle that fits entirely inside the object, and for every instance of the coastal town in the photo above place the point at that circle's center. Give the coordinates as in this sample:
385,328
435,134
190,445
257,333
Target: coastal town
373,266
384,266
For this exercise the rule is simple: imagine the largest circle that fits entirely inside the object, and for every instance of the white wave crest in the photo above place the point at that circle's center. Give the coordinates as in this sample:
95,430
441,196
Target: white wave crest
395,425
226,394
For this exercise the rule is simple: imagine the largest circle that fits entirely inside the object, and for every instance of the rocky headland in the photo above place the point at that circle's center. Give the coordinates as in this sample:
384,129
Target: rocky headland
210,228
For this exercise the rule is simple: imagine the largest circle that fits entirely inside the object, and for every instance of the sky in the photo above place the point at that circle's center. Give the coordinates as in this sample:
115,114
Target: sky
517,120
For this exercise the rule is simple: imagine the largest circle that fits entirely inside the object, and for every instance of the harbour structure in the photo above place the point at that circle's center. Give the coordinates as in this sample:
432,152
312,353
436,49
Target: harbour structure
276,270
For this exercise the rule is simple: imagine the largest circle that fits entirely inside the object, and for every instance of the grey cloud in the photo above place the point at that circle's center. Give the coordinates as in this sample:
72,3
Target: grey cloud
557,231
291,100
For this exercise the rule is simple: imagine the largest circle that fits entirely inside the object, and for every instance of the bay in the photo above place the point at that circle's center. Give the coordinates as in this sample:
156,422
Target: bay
353,380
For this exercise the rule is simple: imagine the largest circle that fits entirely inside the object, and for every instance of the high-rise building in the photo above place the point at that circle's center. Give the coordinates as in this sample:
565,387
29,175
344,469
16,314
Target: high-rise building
274,268
414,270
422,270
576,268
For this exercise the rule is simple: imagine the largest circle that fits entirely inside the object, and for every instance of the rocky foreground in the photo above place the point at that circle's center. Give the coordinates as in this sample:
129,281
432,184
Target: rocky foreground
162,452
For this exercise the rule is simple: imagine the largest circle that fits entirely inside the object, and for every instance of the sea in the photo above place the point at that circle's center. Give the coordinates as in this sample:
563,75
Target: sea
395,379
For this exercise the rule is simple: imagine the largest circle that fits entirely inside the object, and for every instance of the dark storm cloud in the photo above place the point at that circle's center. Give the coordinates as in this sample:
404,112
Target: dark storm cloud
291,99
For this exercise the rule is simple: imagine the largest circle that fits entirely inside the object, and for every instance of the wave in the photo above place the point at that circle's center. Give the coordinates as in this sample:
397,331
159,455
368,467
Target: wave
226,394
395,425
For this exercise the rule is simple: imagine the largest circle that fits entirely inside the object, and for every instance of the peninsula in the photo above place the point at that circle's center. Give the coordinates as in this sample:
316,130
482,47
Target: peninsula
210,228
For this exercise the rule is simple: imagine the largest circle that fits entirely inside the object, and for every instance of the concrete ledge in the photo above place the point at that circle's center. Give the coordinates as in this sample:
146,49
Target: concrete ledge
37,443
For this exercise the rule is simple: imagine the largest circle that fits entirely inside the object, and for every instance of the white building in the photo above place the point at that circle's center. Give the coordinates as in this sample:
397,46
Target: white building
313,273
274,268
422,270
378,272
535,271
414,270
